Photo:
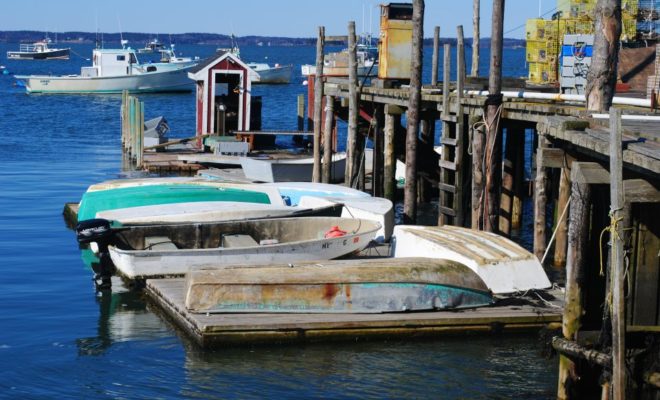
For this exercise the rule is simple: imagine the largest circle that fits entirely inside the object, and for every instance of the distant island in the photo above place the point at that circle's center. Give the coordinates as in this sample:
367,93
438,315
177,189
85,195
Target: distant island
215,39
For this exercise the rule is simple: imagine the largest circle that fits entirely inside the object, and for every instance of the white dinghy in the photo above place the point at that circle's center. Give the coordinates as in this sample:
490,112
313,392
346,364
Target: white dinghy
171,250
503,265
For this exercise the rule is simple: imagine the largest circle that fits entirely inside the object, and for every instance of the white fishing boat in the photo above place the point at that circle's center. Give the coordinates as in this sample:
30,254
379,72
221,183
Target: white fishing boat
168,55
40,50
503,265
113,71
171,250
297,169
152,46
271,74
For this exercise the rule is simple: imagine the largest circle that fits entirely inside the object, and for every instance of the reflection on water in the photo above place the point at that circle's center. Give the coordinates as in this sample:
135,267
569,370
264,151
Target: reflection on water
123,316
446,368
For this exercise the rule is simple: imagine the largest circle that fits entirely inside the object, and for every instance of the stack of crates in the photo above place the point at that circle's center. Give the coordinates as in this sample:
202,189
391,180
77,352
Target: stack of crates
544,37
542,50
576,54
648,19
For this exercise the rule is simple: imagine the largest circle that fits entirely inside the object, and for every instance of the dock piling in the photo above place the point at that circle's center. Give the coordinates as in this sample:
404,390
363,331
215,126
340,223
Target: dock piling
412,116
434,59
352,161
318,100
392,120
327,138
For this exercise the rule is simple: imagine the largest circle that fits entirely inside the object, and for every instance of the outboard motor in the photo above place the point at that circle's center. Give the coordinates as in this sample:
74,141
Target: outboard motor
98,234
94,230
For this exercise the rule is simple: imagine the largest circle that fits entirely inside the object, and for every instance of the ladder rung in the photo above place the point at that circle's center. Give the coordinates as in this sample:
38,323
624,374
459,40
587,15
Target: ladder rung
447,165
447,211
448,118
449,141
447,188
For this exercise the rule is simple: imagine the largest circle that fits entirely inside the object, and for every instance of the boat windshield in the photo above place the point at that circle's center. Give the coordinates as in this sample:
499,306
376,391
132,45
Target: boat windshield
133,59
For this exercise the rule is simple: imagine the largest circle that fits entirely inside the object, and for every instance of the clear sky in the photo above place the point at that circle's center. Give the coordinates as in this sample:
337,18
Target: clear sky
292,18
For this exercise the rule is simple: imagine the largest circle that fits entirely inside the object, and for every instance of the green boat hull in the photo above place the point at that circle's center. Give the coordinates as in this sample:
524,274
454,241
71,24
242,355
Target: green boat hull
147,195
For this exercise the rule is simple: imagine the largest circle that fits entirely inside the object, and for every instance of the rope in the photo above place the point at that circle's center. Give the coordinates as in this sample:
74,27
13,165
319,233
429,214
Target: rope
554,233
84,58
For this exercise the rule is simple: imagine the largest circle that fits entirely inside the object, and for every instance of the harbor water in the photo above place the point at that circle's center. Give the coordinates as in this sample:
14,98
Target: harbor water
59,338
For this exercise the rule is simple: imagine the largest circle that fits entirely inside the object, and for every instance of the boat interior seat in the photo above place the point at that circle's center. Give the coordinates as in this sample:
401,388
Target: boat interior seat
158,243
238,241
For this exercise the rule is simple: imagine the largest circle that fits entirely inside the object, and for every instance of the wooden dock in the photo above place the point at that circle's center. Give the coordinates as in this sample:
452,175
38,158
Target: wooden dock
218,330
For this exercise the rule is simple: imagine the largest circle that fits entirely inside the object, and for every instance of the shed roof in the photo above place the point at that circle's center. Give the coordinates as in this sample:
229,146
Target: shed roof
198,72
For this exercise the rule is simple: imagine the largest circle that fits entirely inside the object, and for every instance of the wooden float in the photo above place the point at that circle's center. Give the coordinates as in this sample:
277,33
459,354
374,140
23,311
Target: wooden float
222,330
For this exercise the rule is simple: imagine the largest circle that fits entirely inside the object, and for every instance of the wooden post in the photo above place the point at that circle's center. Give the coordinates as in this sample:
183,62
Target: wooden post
327,138
518,177
602,75
353,111
410,189
475,37
493,114
540,200
379,149
140,142
459,219
392,120
561,239
434,60
478,143
578,238
318,100
506,198
301,112
617,258
123,115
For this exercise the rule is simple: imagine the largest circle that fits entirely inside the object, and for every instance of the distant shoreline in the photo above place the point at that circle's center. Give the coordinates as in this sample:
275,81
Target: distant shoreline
214,39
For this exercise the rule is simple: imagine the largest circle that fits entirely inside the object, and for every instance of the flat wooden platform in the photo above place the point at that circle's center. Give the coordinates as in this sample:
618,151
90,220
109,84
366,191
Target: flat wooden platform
218,330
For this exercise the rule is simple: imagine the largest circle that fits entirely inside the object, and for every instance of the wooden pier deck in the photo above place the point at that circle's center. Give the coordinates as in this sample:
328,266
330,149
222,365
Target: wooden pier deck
218,330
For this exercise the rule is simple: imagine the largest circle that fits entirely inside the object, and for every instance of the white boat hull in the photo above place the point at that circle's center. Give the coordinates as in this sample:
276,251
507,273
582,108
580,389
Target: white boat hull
289,170
168,81
280,74
144,264
503,265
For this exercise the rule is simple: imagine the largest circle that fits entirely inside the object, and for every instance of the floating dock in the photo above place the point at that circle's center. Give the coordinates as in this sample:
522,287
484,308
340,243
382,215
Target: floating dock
219,330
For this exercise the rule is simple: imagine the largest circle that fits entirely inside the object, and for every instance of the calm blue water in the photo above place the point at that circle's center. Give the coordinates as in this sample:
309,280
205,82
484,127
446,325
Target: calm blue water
59,339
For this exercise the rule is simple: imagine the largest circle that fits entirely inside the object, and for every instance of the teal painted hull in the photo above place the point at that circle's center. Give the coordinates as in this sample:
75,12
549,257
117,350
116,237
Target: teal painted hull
136,196
347,298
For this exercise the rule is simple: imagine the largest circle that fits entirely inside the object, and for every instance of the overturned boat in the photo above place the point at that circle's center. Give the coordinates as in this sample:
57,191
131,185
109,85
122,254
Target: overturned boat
341,286
503,265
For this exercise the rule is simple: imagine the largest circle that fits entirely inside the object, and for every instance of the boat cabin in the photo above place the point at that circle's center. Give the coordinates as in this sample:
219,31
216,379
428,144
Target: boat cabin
224,88
111,62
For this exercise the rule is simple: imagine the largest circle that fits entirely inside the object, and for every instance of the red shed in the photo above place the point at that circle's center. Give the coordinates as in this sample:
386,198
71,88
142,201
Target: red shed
222,79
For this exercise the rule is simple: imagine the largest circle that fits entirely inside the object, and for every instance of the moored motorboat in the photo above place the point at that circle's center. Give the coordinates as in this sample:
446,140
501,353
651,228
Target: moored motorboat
503,265
39,51
341,286
113,71
271,74
172,249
